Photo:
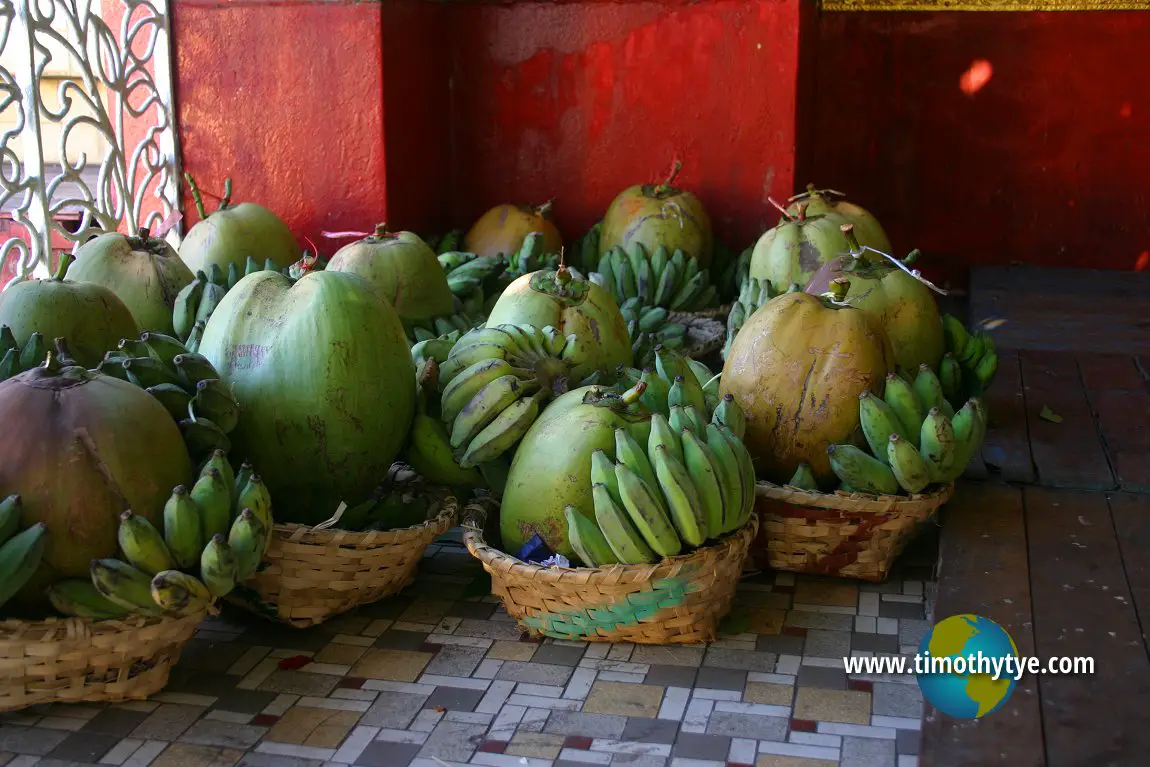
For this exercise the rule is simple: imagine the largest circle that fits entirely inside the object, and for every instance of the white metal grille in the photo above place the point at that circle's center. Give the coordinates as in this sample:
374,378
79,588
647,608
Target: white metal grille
87,122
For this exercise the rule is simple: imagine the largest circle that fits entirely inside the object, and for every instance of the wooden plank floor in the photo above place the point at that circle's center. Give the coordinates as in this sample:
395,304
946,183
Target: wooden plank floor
1052,545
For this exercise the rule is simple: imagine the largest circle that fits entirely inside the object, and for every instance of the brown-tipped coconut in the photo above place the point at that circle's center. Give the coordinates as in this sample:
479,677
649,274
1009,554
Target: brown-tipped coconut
819,201
80,448
143,271
503,229
797,368
402,268
659,214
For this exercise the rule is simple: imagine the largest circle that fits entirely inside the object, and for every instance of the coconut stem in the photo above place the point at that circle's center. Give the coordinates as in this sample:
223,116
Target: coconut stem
544,210
912,257
380,229
838,289
65,354
781,209
803,211
145,233
227,198
51,364
665,187
197,198
562,274
633,394
62,265
848,231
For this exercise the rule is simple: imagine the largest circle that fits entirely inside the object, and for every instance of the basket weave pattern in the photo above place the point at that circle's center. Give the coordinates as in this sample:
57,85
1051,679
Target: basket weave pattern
679,600
704,334
850,535
72,660
311,575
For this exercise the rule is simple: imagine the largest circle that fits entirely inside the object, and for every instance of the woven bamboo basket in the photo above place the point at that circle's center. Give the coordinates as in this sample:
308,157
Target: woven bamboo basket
849,535
677,601
704,334
715,313
77,660
309,574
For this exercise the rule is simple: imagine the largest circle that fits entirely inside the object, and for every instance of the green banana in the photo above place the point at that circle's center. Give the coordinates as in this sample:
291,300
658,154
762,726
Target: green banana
643,287
972,352
928,388
679,420
686,392
956,335
162,347
624,275
907,464
469,383
243,476
34,352
464,356
251,266
183,530
218,566
213,498
202,437
192,344
906,406
950,376
142,544
804,478
79,598
187,304
967,439
7,340
484,407
247,539
270,266
219,461
213,294
134,347
670,364
438,349
607,274
986,369
429,452
695,416
258,498
702,373
691,521
663,434
731,415
630,454
659,261
587,539
555,340
213,401
9,364
124,585
10,510
20,557
655,396
878,421
147,372
746,473
646,510
216,275
178,593
937,441
861,471
689,291
603,473
174,399
623,539
703,468
499,436
653,318
665,289
233,275
730,474
193,368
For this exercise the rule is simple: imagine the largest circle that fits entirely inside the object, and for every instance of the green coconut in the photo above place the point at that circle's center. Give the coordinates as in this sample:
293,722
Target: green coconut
571,305
503,229
659,214
144,272
325,383
79,448
91,317
233,233
552,465
818,201
796,248
402,268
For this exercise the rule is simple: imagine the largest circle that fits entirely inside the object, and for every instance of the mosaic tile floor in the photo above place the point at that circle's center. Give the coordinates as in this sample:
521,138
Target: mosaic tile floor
440,676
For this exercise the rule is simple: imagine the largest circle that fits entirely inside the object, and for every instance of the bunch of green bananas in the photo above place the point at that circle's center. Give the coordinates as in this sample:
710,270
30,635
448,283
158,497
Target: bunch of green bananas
494,382
200,297
445,243
692,482
753,294
673,282
451,326
479,280
650,326
916,438
16,358
184,382
588,248
214,536
691,380
20,550
970,363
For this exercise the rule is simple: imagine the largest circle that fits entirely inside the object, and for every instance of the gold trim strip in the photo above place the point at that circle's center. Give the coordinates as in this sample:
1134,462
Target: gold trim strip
986,5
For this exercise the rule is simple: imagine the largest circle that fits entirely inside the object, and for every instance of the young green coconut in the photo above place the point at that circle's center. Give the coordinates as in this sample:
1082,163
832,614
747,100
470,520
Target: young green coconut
233,233
402,268
503,229
795,248
819,201
145,272
659,214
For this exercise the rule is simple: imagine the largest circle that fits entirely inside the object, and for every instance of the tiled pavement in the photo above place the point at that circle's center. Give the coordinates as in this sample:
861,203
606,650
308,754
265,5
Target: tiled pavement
441,676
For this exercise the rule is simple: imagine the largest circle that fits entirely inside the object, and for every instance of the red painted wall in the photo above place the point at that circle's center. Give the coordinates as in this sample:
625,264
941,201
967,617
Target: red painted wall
1047,163
579,100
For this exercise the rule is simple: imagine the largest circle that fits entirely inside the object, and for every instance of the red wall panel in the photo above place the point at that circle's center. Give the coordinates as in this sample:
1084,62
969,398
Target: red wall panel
1047,162
579,100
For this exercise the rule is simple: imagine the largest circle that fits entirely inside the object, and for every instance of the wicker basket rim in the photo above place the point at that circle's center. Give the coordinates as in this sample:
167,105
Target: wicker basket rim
722,310
858,502
368,538
489,555
71,629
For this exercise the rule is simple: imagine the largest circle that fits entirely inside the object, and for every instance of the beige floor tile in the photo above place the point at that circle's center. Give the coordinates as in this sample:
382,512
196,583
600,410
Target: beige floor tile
340,654
318,727
392,665
504,650
771,760
668,656
846,706
623,699
186,755
771,694
536,745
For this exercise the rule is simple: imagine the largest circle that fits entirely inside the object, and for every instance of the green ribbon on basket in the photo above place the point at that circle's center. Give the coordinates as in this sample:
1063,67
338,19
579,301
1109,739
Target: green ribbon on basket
665,594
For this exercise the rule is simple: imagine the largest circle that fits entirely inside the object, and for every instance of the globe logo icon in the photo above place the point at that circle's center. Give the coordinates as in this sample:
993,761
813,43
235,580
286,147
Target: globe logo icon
957,678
